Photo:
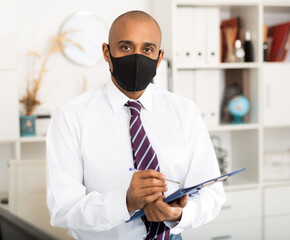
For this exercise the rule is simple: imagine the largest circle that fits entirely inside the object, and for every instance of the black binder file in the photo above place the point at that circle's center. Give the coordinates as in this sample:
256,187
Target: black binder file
190,191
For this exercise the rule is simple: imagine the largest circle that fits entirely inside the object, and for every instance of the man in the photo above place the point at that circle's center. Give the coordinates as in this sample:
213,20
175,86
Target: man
129,123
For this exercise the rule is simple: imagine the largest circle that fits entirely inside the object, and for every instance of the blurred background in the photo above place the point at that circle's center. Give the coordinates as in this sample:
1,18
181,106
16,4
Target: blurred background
231,57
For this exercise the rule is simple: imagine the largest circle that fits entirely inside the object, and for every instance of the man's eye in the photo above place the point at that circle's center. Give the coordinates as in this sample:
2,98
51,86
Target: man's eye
147,50
126,48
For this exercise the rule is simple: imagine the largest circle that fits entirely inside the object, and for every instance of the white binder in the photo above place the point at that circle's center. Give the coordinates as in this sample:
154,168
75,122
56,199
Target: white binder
199,39
184,84
185,37
213,35
201,87
206,95
198,36
213,114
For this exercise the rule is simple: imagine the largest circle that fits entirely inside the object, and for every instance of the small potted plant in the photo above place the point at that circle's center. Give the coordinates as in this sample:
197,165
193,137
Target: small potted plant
30,100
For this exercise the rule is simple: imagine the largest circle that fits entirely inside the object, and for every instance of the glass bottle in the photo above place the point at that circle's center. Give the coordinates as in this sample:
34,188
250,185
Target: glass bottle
248,46
239,51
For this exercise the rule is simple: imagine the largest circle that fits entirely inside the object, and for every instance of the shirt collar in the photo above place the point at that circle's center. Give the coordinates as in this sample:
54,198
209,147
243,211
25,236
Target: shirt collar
118,99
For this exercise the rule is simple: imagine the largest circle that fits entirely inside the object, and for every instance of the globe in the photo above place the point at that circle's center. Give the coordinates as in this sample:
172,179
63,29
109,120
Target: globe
239,106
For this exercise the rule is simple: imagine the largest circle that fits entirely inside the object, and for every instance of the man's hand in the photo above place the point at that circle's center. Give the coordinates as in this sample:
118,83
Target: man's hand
145,187
161,211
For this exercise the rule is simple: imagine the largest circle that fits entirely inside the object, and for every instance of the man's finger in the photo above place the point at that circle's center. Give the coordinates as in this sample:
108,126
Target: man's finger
167,211
153,182
150,173
151,198
183,201
152,190
152,212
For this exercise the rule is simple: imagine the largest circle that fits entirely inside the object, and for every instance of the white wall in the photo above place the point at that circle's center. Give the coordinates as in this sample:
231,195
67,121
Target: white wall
36,22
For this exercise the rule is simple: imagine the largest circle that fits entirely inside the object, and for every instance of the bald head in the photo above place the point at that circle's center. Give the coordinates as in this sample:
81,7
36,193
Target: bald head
134,32
135,17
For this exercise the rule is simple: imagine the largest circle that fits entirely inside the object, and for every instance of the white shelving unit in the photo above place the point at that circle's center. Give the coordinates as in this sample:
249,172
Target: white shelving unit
251,212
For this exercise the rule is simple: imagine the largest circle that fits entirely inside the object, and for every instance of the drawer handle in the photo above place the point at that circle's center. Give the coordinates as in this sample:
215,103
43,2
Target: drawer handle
222,237
226,207
268,96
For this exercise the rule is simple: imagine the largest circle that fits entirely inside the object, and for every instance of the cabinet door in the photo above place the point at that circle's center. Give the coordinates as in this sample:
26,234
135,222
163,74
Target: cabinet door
234,230
277,213
237,202
277,228
277,201
9,120
276,94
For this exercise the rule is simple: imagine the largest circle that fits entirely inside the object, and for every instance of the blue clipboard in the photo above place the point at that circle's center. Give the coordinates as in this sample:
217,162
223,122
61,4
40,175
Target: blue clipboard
190,191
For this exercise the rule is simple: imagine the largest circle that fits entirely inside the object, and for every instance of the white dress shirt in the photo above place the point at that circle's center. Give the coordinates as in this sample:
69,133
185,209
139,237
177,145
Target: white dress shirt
89,154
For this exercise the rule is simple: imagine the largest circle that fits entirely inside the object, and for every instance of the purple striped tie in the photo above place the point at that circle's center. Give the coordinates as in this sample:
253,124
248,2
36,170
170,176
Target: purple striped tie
145,158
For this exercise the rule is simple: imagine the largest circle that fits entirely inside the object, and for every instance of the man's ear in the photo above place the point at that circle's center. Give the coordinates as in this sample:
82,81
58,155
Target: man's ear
160,57
106,53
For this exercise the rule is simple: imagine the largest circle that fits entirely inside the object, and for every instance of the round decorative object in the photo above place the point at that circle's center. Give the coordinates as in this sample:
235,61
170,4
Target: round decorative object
239,106
87,33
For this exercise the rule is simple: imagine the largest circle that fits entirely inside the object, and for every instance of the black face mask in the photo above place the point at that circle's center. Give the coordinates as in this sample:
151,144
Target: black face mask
133,72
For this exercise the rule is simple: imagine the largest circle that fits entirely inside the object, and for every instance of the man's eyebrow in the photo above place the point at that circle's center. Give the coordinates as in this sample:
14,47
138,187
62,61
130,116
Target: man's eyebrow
149,44
130,43
125,41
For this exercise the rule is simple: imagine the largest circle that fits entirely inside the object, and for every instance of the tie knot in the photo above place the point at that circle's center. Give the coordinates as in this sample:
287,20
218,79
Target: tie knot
135,107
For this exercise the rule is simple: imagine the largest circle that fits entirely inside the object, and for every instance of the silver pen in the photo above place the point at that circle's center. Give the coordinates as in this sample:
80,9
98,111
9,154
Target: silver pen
137,170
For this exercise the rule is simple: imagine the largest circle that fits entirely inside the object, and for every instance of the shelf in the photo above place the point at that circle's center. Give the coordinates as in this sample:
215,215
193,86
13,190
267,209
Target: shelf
276,3
32,139
240,186
276,126
225,66
269,183
240,182
285,64
24,140
8,141
234,127
218,2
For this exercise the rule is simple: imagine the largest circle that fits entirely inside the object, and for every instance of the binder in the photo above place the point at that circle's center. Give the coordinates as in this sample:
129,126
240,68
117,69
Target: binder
213,35
191,33
213,97
198,34
286,51
199,41
279,33
184,84
206,95
200,86
190,191
185,37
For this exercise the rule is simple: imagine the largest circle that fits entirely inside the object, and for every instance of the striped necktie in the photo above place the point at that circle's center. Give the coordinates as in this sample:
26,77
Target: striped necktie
145,158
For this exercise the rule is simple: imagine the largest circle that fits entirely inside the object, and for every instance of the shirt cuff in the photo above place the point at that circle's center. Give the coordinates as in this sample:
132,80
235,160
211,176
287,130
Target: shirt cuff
131,213
171,224
186,218
116,211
